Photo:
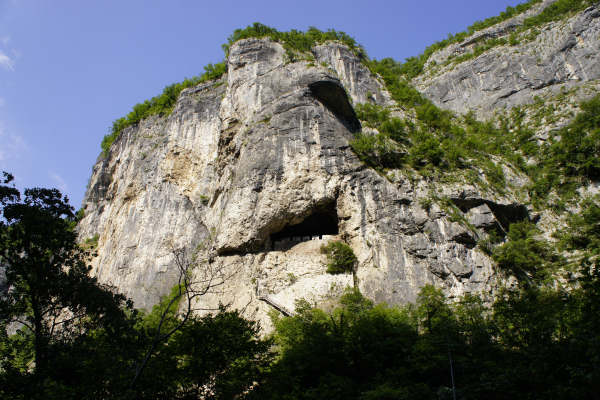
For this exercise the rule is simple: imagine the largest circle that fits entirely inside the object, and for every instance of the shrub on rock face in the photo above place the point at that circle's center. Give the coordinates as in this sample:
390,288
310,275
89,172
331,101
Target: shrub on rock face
524,255
340,257
377,151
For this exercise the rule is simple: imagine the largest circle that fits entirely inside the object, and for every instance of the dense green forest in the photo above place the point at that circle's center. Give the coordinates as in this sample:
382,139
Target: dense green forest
65,336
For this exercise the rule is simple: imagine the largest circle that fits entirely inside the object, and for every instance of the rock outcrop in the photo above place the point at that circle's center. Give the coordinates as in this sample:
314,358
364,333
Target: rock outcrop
251,174
562,55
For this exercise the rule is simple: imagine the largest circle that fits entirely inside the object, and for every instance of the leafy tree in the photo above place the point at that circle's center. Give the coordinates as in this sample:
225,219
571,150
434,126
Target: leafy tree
426,151
528,258
219,357
337,355
377,151
340,257
65,336
578,151
183,356
583,232
48,291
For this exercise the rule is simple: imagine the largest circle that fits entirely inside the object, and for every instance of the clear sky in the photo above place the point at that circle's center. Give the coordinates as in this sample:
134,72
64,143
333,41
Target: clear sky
68,68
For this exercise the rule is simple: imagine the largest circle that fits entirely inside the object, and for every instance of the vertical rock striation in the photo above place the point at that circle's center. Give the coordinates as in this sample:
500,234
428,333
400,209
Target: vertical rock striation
563,54
251,174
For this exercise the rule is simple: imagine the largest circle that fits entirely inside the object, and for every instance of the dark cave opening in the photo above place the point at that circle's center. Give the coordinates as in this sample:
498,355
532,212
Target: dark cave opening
504,213
321,222
334,97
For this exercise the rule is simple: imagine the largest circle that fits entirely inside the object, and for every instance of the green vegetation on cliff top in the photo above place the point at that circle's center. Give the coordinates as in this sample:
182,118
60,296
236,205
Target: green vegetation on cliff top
414,65
293,42
394,74
160,105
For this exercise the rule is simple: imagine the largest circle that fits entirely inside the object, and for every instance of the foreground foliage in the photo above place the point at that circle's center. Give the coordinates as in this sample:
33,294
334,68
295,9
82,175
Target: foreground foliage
537,340
533,344
65,336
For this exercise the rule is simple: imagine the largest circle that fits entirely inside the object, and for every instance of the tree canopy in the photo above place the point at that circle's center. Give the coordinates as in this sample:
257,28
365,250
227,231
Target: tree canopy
63,335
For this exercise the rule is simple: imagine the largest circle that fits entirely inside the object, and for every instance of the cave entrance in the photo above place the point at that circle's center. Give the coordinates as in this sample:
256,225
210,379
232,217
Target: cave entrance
321,222
335,99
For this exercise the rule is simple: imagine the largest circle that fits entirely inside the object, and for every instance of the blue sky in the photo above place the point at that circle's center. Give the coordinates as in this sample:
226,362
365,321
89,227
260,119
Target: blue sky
68,68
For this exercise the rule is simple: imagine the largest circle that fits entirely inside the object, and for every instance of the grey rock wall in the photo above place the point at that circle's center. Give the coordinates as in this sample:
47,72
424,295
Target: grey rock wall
257,155
564,54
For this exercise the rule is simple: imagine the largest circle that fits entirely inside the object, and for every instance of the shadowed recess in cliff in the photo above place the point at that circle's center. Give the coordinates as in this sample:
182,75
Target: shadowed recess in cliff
321,222
334,97
505,213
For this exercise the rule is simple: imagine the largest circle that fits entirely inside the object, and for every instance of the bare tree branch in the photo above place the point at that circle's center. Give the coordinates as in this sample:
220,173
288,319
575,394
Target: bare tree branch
193,282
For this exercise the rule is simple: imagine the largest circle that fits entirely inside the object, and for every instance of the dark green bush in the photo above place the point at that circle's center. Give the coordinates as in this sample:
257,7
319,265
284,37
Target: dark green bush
395,129
372,115
526,257
340,257
364,147
578,151
567,163
488,243
294,39
434,118
377,151
455,154
426,150
536,343
494,175
379,118
392,74
583,231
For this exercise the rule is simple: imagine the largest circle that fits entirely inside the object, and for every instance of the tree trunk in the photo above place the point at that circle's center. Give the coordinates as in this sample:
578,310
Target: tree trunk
39,341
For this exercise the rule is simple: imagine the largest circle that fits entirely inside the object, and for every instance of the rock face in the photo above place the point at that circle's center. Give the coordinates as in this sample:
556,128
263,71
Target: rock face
564,54
251,174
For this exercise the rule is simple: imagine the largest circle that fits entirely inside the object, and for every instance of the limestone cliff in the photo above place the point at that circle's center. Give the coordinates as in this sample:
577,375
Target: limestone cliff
540,61
252,173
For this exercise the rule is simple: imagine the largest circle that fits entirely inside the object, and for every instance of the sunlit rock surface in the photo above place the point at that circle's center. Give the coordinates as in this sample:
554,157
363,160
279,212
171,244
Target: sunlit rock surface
251,174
